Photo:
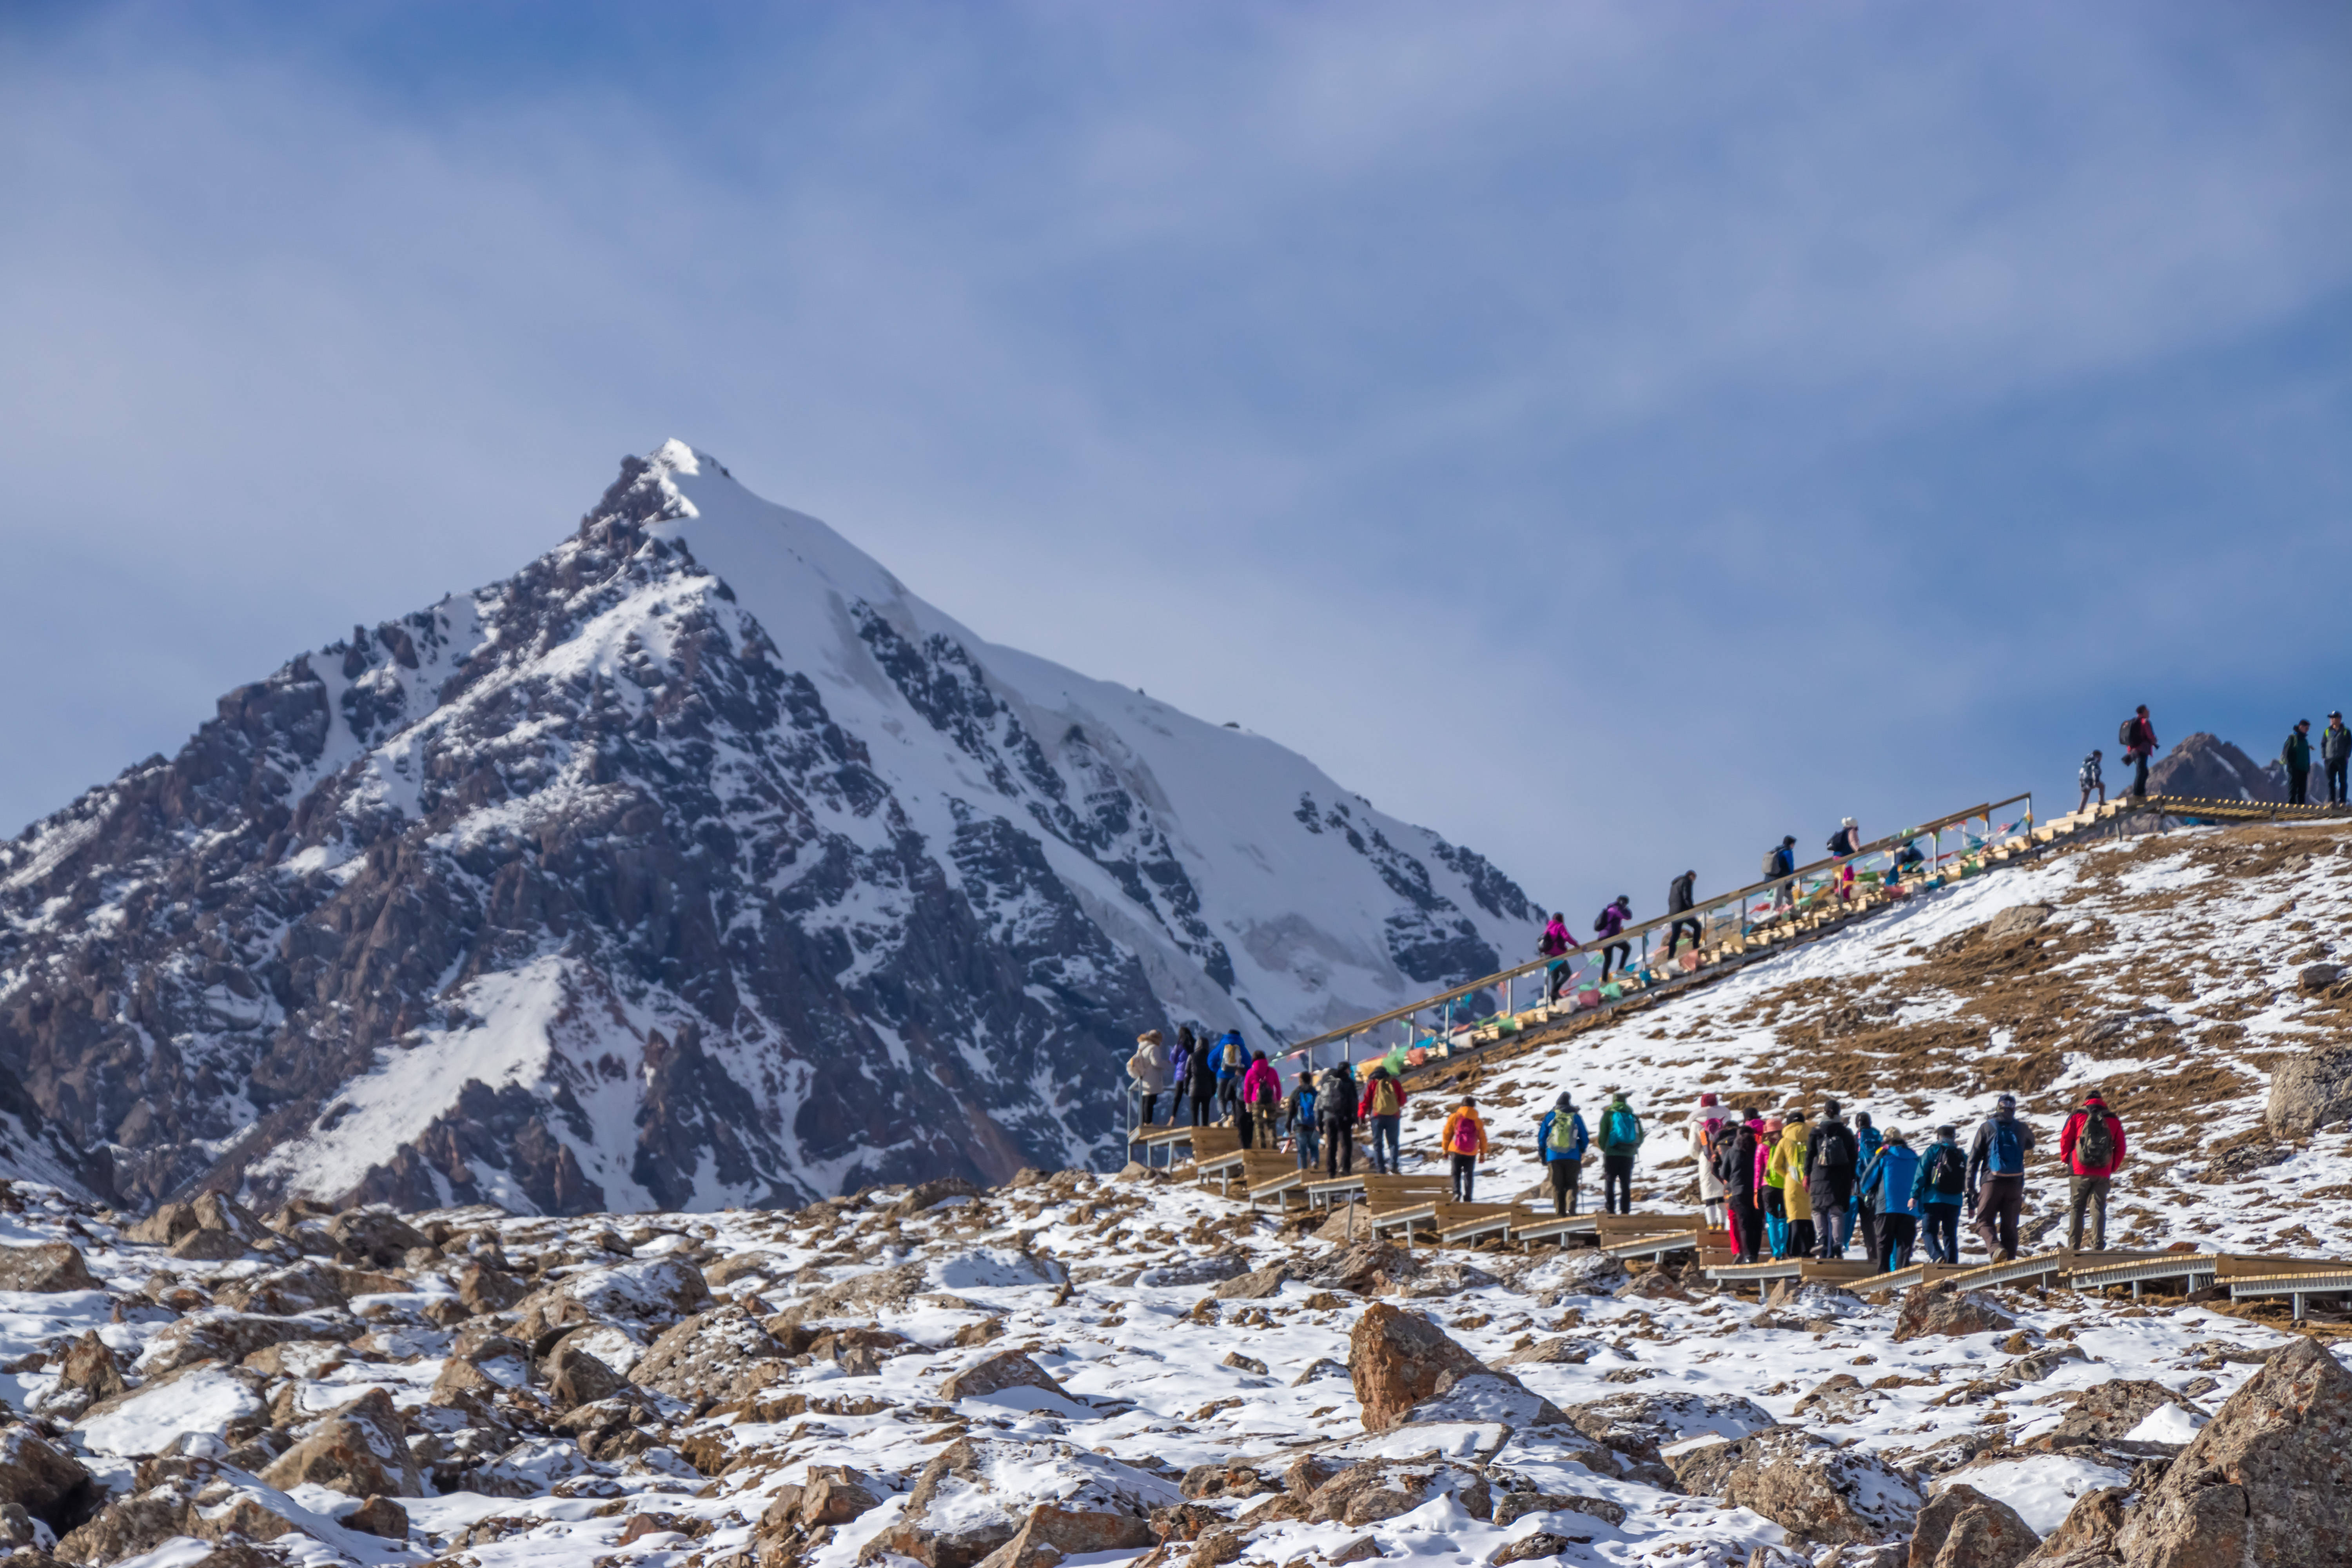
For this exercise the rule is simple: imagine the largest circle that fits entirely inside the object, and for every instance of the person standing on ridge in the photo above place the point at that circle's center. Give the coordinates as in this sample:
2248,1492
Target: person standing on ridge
2092,1145
1997,1177
1788,1163
1620,1140
2297,757
1204,1081
1147,1069
1936,1192
1681,893
1832,1158
1560,1142
1889,1180
1554,945
1866,1143
1231,1062
1180,1073
1300,1118
2336,754
2088,777
2138,738
1335,1108
1737,1159
1770,1189
1846,840
1383,1107
1780,863
1464,1139
1700,1132
1262,1095
1611,920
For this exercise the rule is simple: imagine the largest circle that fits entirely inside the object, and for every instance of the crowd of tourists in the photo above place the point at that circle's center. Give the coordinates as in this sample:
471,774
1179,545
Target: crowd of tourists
1796,1184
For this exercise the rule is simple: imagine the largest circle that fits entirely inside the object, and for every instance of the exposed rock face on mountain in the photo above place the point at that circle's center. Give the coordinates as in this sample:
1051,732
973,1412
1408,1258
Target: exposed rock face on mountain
697,863
2206,767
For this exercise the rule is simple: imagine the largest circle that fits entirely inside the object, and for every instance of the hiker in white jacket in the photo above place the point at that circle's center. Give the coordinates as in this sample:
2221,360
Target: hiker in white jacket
1147,1072
1703,1123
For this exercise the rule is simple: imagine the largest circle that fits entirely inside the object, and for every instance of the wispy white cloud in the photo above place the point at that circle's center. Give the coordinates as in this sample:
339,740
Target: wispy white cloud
1390,379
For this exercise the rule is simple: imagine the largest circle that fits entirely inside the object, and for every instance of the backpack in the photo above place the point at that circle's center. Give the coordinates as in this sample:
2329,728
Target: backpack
1837,842
2124,731
1621,1129
1772,864
1384,1099
1465,1137
2005,1154
1836,1149
1562,1140
1723,1153
2095,1144
1947,1172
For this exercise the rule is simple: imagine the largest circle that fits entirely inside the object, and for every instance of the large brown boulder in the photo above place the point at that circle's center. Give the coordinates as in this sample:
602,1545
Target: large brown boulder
1637,1426
375,1237
1255,1286
165,1225
1396,1359
1052,1532
576,1377
51,1268
1382,1488
978,1494
1940,1309
1962,1527
357,1448
1368,1266
2110,1411
45,1482
2086,1537
1005,1369
2268,1480
722,1354
484,1288
1821,1495
2310,1090
233,1336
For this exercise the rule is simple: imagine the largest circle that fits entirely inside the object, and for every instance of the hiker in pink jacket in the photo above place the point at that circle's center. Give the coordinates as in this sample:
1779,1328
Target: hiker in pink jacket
1261,1100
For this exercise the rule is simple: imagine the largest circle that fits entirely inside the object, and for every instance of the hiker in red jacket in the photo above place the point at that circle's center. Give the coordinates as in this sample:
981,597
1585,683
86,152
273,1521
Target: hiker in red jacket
2092,1145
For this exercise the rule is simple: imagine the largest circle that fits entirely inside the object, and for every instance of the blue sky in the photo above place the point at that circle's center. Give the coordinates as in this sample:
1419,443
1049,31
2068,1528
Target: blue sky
1609,433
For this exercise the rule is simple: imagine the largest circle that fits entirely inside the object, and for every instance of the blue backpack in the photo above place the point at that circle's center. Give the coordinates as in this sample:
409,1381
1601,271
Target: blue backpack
2005,1155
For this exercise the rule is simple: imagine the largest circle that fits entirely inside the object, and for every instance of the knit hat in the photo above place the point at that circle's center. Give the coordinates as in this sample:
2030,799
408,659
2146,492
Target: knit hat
1709,1099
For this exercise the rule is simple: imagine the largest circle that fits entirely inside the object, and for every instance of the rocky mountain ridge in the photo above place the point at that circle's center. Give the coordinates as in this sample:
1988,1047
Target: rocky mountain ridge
697,863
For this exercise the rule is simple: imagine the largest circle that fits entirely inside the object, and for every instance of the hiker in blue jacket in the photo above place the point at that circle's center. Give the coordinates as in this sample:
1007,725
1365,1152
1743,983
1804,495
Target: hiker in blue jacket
1889,1184
1560,1142
1936,1191
1864,1206
1997,1177
1301,1119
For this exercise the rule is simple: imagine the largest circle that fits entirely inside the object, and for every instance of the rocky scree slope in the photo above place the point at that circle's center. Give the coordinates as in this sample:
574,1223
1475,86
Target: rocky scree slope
1124,1370
696,863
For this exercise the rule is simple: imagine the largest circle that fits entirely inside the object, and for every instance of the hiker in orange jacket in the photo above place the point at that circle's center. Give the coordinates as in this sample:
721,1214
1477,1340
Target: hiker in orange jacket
1464,1139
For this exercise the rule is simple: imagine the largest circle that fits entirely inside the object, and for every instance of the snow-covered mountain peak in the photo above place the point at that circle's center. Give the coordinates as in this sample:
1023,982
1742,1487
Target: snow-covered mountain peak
697,862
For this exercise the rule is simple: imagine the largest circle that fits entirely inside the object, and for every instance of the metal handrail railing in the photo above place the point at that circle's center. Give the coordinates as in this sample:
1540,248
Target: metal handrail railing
1704,912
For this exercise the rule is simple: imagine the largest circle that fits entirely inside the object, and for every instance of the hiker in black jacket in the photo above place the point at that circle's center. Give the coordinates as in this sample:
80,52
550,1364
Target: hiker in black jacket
2336,754
1681,894
1833,1157
1335,1108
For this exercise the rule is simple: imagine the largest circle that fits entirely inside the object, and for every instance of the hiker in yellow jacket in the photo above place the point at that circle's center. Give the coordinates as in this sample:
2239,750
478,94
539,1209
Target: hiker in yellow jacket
1465,1140
1788,1168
